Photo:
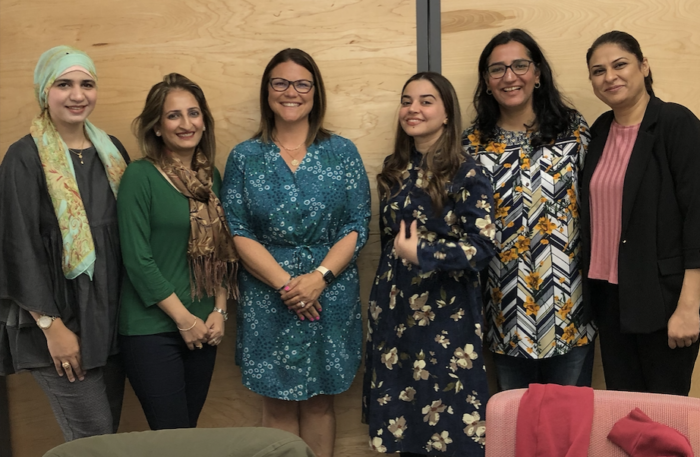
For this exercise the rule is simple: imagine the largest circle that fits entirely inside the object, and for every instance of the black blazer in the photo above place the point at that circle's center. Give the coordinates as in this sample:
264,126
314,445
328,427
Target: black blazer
660,235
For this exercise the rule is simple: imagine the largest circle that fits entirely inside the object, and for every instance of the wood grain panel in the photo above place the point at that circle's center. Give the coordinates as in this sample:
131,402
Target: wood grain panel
365,49
666,30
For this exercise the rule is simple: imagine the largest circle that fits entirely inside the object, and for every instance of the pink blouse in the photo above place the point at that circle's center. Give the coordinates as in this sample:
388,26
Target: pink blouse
606,201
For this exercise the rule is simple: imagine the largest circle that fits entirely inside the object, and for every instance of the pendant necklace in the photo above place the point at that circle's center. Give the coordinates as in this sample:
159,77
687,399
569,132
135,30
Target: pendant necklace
79,152
295,162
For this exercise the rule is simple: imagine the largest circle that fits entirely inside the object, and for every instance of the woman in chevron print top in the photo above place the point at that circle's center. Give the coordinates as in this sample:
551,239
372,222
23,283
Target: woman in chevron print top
533,144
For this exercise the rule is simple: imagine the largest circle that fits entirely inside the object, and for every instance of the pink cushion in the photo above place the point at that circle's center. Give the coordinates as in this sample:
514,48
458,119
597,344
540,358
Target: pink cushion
681,413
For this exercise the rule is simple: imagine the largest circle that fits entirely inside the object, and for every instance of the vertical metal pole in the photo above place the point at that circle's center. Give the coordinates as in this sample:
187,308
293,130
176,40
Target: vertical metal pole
428,35
434,36
422,37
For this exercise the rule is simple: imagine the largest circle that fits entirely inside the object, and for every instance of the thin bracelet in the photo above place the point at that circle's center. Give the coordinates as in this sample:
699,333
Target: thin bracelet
188,329
285,284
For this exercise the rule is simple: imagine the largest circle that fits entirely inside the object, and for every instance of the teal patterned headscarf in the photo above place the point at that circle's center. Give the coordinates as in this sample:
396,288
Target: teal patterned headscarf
78,246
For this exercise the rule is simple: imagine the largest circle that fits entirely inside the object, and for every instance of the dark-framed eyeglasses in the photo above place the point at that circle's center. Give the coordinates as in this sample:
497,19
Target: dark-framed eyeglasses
498,70
303,86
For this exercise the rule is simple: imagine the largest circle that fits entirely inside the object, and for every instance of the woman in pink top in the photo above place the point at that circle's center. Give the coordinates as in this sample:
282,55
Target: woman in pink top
640,210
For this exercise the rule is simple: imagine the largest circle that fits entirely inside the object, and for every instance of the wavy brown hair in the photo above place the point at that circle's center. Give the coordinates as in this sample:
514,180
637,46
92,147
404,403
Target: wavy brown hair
318,112
152,146
441,161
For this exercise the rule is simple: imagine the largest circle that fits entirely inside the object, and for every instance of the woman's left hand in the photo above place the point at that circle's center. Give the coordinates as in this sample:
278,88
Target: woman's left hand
303,290
407,247
215,325
683,328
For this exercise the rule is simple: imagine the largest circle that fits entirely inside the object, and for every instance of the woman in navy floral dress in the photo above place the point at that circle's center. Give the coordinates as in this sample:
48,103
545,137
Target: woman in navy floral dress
297,202
425,386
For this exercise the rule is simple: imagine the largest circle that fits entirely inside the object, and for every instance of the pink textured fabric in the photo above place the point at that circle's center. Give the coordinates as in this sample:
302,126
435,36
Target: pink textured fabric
681,413
606,201
640,436
554,420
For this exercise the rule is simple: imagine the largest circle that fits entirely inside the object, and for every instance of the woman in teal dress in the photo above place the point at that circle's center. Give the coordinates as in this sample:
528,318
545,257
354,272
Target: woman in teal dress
425,387
297,202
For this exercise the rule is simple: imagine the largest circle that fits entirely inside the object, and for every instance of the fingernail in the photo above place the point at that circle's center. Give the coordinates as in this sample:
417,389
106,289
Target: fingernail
318,318
320,309
286,287
301,317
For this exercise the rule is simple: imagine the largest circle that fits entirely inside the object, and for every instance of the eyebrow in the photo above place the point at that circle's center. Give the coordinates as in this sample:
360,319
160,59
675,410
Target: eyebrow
66,80
187,109
614,61
420,96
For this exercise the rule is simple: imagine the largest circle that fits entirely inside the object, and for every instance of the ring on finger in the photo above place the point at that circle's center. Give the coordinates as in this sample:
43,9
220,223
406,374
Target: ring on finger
65,365
301,304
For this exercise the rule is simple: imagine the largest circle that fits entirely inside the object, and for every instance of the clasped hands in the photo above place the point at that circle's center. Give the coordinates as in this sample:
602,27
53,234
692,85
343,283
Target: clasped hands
200,332
301,295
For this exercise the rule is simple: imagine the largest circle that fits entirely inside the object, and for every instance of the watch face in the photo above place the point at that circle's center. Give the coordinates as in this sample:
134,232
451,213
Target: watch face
44,322
329,277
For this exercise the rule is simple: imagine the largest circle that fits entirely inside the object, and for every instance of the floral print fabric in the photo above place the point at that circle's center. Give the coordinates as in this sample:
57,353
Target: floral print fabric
535,305
298,217
425,388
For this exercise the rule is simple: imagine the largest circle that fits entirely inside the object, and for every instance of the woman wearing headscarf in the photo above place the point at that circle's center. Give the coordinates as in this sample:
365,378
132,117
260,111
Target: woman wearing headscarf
61,262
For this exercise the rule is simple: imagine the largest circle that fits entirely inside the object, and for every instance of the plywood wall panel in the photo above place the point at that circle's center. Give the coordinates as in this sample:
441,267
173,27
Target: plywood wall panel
666,30
365,50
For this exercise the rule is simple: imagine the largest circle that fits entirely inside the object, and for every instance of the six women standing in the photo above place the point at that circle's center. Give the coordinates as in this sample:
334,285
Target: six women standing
61,262
425,387
533,145
298,205
302,242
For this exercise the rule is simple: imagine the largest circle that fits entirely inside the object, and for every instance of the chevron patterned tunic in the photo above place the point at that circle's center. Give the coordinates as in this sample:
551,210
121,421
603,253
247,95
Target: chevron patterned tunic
535,305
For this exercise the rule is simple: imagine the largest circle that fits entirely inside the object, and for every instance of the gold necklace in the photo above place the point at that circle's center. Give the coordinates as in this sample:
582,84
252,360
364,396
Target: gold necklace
79,152
295,162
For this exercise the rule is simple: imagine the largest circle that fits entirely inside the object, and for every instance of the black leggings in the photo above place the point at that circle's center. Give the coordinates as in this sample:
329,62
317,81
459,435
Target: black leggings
170,381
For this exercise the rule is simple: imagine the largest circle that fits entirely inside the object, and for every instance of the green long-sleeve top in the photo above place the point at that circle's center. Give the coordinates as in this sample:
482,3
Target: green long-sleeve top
154,229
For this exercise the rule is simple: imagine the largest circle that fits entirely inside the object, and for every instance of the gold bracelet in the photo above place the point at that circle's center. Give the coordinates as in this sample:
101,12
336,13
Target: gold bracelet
188,329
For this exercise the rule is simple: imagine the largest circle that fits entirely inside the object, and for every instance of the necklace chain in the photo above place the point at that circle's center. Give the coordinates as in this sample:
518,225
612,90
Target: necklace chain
295,162
79,152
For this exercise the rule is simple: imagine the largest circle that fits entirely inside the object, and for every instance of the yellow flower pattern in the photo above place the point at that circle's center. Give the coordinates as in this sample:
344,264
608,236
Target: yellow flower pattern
537,232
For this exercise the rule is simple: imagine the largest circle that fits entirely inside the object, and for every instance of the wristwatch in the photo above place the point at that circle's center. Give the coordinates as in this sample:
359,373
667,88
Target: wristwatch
222,312
327,274
44,321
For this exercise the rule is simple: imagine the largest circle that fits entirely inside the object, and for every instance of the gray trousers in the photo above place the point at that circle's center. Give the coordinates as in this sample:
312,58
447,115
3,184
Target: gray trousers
89,407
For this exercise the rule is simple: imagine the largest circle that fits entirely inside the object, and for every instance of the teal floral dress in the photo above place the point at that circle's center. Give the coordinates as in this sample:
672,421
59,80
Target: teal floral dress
425,388
298,217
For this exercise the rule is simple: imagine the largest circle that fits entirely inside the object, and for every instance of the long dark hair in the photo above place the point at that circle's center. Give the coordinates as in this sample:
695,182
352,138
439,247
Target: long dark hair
318,112
441,161
143,126
553,112
626,42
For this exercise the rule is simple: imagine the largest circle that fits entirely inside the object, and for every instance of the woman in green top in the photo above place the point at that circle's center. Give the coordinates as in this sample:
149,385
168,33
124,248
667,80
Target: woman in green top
178,253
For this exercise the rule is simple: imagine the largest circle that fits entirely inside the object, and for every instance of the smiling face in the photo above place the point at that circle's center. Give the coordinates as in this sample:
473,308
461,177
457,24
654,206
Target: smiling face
512,92
71,98
290,106
617,76
422,114
181,124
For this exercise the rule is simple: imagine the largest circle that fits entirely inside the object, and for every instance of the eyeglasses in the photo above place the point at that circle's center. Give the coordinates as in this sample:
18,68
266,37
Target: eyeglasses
303,86
519,67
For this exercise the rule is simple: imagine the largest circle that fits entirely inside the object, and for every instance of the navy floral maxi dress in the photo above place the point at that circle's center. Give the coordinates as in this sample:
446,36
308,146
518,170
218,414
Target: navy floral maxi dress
425,387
